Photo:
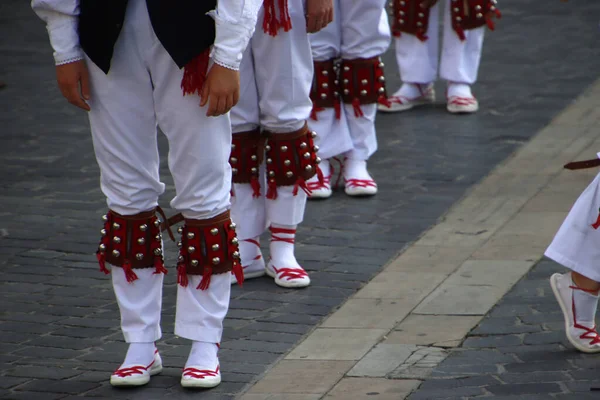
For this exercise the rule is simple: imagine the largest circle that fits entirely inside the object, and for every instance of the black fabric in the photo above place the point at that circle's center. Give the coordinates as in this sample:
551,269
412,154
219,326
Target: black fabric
182,27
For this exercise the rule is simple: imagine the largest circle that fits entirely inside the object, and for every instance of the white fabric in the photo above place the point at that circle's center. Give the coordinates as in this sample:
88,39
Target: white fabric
586,305
459,90
140,304
139,354
275,79
282,253
576,243
141,91
359,30
418,61
234,22
200,313
203,354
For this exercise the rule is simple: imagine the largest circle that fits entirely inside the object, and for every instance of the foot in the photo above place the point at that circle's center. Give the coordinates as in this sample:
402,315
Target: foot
202,367
357,180
583,336
321,190
283,266
460,99
253,263
409,96
136,374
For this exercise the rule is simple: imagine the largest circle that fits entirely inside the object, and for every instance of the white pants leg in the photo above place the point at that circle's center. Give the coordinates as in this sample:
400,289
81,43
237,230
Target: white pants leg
333,134
365,34
283,69
140,305
576,244
200,313
417,60
141,89
460,59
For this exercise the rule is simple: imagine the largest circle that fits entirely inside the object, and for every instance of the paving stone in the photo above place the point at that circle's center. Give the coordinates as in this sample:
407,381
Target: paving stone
382,359
63,386
371,388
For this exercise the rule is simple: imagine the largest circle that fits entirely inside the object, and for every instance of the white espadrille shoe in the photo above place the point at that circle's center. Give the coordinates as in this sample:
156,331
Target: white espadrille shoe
136,375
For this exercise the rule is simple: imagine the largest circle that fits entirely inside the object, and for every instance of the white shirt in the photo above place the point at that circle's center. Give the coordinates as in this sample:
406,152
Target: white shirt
235,21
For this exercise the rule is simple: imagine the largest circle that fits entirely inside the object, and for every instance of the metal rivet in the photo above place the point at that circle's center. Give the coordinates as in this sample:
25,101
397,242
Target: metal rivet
216,260
287,163
117,239
232,226
289,174
308,168
316,148
139,256
116,226
284,148
364,81
234,171
318,160
180,230
323,95
232,146
269,161
253,170
253,157
479,15
363,92
346,91
105,218
214,231
157,252
233,160
381,65
191,249
345,81
102,247
158,237
190,235
419,24
235,241
235,254
215,247
116,253
180,259
141,241
324,86
143,227
325,72
303,145
382,79
194,263
268,148
313,134
157,223
271,173
306,156
103,232
179,244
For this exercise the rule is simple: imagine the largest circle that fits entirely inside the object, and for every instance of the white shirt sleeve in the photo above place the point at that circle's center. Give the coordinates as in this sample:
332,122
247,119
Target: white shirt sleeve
61,17
235,21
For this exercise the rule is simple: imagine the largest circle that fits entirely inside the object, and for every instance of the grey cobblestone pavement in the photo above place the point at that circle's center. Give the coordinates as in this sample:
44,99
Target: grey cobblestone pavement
59,336
518,351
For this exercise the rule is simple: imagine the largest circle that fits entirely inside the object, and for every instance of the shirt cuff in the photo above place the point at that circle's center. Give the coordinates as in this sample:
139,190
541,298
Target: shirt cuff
64,39
230,42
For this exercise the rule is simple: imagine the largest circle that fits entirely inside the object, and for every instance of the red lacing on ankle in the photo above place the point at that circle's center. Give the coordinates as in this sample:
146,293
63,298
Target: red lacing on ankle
254,242
290,273
274,238
326,184
461,101
590,333
363,183
301,184
200,373
341,164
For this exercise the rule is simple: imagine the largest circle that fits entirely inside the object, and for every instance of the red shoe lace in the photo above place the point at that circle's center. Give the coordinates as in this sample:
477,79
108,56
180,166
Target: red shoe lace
363,183
590,333
462,101
312,186
200,373
135,370
289,273
254,242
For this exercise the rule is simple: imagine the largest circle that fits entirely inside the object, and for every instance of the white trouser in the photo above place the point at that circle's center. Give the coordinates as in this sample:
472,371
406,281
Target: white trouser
275,79
418,61
576,244
360,30
142,90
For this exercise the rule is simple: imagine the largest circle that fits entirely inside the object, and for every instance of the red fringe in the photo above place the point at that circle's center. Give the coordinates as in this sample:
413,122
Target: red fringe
194,74
129,274
238,272
100,257
272,191
357,110
422,36
384,100
182,278
270,23
284,16
596,224
461,33
314,111
205,282
337,106
255,184
397,33
301,184
159,266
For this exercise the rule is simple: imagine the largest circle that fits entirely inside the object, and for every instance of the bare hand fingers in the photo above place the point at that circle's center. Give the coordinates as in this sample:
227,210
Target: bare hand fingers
221,106
212,105
229,103
85,83
204,95
236,98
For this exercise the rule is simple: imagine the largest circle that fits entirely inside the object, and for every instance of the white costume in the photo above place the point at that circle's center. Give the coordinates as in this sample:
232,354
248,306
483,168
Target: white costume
417,51
143,90
273,153
359,33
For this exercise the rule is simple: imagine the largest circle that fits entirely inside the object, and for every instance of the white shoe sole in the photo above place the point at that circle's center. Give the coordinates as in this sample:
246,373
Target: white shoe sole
320,194
462,109
205,383
361,192
565,311
137,380
403,107
296,283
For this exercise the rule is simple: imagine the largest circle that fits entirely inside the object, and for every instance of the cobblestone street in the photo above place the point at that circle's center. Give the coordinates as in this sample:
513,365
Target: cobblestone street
59,323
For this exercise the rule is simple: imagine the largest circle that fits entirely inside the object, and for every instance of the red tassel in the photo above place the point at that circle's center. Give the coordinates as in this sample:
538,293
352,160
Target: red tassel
194,74
129,274
205,282
255,184
314,111
397,34
383,100
596,224
301,184
320,176
284,16
461,34
238,272
270,24
182,278
337,106
159,266
272,191
357,110
422,36
100,257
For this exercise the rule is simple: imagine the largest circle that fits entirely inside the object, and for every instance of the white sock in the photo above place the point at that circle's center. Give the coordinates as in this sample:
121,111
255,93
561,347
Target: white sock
282,253
203,354
356,169
249,251
459,90
586,305
140,354
412,90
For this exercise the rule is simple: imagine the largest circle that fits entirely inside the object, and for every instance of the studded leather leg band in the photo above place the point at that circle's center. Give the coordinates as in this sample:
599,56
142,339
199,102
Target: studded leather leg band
208,247
411,17
363,82
247,153
325,90
291,160
473,14
130,242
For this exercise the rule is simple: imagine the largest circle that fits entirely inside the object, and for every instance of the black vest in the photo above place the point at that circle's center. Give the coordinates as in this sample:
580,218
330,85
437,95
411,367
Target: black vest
182,27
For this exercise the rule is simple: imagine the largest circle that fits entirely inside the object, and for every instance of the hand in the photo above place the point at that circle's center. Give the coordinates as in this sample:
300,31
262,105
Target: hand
319,13
428,3
221,90
74,83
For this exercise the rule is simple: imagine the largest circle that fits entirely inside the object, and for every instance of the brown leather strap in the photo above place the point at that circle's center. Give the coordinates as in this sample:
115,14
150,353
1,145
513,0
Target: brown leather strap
203,223
583,164
274,137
